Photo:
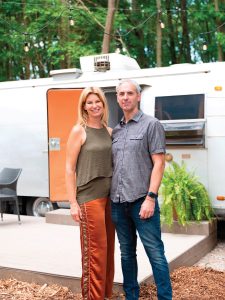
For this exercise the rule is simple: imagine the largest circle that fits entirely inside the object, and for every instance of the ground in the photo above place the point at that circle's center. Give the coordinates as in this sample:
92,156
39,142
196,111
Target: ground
190,283
204,281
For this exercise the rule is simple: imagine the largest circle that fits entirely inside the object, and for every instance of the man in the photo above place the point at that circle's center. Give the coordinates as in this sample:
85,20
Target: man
138,161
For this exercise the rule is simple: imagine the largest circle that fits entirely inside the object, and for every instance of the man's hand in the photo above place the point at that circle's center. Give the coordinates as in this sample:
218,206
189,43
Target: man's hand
147,208
75,212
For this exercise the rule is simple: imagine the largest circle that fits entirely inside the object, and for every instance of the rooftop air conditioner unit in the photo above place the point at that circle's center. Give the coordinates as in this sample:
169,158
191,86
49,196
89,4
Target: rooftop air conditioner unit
101,63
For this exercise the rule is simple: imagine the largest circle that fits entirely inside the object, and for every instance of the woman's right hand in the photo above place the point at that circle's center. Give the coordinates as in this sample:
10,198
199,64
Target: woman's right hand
75,212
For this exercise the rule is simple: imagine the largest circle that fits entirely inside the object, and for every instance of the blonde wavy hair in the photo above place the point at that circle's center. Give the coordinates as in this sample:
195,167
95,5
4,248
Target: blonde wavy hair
82,113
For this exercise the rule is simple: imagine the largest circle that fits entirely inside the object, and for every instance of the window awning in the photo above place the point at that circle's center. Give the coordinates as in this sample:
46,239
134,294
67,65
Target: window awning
184,133
184,126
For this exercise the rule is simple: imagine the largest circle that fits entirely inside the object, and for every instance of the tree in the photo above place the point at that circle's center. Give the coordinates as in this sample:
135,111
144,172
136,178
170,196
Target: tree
158,35
218,23
185,49
171,37
108,26
129,25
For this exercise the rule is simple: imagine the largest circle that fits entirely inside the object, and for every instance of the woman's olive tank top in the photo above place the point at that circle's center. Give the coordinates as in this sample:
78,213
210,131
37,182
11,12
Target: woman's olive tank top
94,165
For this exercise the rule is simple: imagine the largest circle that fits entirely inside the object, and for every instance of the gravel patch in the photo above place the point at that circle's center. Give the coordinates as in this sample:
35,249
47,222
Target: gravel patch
214,259
204,281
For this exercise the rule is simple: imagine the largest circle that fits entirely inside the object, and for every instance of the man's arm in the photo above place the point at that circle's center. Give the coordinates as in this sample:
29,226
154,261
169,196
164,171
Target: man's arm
148,206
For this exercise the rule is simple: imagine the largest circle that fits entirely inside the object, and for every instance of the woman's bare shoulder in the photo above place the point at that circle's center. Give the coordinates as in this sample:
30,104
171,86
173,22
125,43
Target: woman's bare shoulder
77,129
78,133
109,130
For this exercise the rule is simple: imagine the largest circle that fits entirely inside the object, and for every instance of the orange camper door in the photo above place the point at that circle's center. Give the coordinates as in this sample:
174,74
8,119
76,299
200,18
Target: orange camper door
62,115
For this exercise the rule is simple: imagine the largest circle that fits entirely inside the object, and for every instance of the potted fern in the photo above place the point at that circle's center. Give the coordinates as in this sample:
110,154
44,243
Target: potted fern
183,196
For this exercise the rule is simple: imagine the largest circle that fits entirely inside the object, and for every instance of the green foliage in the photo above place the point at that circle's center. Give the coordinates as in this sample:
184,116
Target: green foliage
183,195
54,44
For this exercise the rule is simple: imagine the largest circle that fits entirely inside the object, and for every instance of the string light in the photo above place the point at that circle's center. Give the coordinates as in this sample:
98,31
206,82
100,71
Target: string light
71,21
38,3
204,47
26,47
162,25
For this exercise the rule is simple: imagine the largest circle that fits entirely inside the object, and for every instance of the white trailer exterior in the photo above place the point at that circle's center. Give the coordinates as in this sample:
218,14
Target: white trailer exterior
195,132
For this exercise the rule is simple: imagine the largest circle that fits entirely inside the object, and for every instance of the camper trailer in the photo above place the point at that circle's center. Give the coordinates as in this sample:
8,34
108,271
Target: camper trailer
37,115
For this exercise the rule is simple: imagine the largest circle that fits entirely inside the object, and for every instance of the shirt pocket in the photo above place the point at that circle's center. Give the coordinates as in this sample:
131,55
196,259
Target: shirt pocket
135,142
137,137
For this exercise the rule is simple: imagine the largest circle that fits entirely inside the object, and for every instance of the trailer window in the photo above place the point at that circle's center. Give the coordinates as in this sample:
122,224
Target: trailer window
180,107
182,118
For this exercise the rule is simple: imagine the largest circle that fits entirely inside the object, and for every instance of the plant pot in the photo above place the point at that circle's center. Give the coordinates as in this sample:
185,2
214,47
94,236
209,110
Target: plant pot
195,228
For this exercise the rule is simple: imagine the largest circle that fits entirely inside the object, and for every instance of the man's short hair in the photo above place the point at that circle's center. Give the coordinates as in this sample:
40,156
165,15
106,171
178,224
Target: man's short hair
137,86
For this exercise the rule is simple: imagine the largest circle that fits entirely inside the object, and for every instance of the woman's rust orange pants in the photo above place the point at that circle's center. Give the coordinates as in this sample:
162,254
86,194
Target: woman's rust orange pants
97,236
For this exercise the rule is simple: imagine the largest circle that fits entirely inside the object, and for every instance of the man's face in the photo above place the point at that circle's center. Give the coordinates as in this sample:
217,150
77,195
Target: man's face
128,97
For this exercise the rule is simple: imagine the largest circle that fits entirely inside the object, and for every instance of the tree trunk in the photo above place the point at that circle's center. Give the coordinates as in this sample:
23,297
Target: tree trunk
218,23
171,33
158,36
108,26
63,36
185,35
26,61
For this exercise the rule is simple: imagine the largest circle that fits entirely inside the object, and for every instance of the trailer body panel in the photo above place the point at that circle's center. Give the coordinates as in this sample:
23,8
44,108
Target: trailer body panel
37,115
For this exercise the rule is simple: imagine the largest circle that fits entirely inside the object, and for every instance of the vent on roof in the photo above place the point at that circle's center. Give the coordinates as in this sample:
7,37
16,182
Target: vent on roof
108,62
101,63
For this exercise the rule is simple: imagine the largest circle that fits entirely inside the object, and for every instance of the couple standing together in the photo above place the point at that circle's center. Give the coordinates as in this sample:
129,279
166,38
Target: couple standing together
127,164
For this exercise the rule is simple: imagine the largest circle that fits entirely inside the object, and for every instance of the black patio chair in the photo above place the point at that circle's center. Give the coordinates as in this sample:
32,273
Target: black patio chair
8,188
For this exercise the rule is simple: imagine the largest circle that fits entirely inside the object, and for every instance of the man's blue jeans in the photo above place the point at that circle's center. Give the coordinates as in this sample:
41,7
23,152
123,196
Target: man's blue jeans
127,220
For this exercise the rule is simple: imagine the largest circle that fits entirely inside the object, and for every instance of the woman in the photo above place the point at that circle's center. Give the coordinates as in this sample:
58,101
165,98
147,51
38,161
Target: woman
88,179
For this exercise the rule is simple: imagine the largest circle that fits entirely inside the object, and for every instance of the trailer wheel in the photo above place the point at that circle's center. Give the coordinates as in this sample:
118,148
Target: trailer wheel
38,207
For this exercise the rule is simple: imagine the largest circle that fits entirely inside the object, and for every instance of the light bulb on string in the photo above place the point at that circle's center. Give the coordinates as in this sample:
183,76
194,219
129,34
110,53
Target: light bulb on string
26,47
204,47
71,21
162,25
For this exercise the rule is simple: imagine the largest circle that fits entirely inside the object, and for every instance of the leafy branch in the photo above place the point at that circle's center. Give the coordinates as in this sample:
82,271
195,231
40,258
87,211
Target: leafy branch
184,196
